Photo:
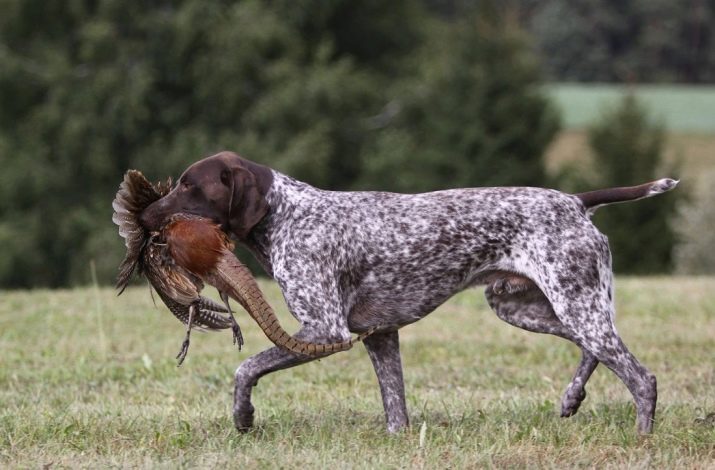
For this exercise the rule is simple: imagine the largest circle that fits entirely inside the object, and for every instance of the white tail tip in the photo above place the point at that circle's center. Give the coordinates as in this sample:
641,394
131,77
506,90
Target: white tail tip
662,185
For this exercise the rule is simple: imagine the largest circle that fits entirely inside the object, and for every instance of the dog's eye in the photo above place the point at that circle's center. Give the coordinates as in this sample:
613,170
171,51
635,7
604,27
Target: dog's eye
226,177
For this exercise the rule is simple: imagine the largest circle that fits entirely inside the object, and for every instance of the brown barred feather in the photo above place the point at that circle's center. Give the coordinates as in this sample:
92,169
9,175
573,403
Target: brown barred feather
199,245
234,278
134,195
177,288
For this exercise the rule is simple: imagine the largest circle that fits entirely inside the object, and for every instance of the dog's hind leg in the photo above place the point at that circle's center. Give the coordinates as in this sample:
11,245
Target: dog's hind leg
530,310
588,316
607,347
576,390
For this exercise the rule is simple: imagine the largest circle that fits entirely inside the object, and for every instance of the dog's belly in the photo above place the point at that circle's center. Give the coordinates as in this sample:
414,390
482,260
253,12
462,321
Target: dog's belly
389,313
396,304
390,303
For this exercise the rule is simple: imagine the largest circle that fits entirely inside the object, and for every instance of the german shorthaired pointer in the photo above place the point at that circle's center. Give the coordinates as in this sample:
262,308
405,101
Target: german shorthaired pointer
350,261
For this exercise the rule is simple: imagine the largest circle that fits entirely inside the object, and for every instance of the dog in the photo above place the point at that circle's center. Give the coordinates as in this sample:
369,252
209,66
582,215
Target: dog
353,261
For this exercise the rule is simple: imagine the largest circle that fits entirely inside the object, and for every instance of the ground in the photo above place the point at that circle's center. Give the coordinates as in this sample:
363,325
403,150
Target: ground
88,379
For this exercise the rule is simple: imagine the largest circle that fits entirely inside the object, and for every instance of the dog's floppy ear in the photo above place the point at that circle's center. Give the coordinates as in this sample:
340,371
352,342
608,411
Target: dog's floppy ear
247,206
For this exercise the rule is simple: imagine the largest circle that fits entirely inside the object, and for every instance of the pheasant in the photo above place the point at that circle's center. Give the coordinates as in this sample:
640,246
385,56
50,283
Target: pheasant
177,288
200,247
186,252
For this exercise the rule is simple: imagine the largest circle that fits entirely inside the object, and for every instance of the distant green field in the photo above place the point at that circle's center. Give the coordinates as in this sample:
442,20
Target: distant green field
689,109
88,380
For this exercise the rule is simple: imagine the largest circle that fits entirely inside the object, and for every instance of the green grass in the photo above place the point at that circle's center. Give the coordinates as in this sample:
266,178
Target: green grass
681,108
89,380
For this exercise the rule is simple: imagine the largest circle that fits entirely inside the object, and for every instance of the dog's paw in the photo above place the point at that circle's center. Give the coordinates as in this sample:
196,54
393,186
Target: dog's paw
243,419
571,402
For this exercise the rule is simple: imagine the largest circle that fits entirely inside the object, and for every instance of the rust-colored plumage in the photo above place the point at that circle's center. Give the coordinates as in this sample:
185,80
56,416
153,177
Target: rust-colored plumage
186,252
195,244
146,254
199,246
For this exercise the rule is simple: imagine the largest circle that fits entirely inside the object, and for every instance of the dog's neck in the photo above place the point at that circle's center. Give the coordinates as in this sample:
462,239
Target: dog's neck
287,198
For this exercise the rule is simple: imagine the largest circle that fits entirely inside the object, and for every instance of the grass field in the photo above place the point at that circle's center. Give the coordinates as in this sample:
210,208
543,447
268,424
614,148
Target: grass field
89,380
682,108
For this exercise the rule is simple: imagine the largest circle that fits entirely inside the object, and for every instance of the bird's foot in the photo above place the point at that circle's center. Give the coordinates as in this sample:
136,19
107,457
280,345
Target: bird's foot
182,353
237,335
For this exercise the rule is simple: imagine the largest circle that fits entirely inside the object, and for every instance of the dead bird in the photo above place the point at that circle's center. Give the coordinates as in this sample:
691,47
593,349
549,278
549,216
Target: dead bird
147,255
200,247
182,254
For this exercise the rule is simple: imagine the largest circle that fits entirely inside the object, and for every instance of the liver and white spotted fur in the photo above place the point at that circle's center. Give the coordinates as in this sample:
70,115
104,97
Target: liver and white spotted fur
350,261
347,261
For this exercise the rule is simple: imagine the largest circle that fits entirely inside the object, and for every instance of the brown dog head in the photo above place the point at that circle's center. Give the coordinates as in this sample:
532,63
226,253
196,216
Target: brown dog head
224,188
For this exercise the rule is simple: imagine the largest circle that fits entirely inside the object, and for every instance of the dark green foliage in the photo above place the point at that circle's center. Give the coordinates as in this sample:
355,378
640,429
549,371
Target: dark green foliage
473,114
628,151
624,40
92,88
695,226
345,94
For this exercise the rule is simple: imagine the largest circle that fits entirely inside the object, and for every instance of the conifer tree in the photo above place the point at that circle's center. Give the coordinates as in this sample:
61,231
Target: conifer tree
628,150
472,114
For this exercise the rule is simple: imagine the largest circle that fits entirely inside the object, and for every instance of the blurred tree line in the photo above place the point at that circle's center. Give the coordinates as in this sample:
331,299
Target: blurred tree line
342,94
641,41
345,94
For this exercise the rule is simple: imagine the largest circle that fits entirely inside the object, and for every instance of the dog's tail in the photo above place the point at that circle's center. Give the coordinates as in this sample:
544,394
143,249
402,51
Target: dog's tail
592,200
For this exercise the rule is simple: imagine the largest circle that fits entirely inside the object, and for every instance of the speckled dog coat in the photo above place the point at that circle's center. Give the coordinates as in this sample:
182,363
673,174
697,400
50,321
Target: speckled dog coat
351,261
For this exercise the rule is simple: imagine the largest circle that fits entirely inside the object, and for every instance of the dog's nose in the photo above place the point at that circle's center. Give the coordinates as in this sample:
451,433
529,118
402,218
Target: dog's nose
151,218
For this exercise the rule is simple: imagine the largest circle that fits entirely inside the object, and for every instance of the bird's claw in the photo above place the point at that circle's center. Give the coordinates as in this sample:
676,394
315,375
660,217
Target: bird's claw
182,353
237,335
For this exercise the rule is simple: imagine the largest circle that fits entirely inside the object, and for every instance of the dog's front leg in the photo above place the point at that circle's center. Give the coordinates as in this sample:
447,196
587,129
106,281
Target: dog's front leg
265,362
384,352
247,376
